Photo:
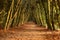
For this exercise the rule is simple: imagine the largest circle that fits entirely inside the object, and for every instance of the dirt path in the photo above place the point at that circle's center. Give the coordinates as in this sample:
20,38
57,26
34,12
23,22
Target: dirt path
29,32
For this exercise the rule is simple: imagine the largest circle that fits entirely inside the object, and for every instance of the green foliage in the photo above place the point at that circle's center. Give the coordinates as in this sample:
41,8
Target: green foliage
42,12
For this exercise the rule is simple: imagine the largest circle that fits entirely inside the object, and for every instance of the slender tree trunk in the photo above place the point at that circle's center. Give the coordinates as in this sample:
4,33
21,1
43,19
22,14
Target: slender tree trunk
52,16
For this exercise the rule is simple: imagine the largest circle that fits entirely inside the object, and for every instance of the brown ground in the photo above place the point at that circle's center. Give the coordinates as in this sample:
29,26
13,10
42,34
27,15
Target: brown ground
29,31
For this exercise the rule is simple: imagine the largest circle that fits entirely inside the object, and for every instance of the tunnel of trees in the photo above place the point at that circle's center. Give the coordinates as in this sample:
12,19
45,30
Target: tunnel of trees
42,12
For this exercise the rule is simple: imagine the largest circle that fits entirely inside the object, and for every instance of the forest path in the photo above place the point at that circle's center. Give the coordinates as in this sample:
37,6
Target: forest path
29,31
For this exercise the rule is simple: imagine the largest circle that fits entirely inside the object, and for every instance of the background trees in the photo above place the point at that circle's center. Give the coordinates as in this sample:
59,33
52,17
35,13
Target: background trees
42,12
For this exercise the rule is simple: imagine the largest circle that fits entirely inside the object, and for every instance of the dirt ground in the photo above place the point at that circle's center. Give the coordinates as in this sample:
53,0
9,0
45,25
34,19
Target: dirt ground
29,31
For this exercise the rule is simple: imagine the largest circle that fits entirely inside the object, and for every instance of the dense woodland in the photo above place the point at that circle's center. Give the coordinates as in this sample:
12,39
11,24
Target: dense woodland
45,13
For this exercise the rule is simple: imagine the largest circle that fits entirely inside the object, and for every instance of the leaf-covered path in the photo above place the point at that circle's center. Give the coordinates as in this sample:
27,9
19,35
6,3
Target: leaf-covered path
29,33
